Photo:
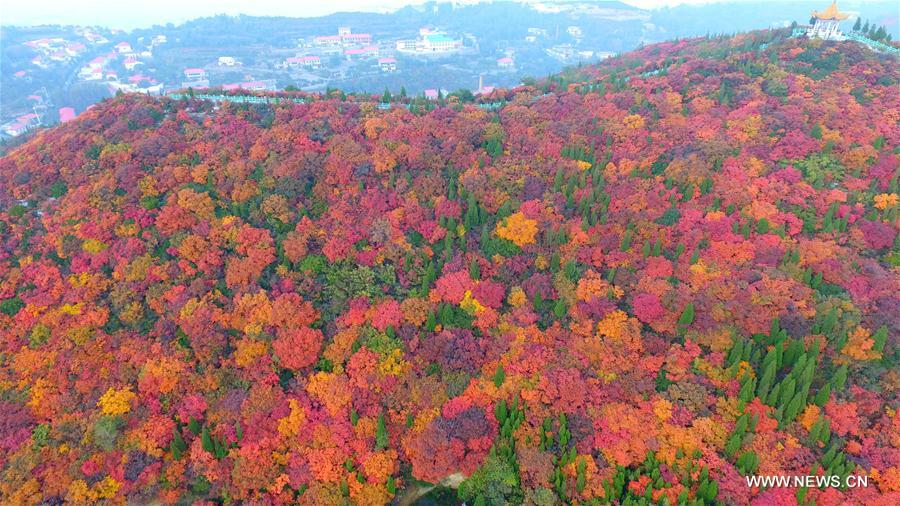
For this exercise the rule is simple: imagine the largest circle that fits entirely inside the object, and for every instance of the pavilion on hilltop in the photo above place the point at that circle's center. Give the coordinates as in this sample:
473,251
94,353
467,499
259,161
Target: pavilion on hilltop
826,24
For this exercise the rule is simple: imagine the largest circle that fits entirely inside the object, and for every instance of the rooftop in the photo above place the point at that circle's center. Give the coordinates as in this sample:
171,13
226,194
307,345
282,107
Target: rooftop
438,37
831,13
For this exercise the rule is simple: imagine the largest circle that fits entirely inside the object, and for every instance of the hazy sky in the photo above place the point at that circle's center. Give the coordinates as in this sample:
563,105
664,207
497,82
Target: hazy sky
129,14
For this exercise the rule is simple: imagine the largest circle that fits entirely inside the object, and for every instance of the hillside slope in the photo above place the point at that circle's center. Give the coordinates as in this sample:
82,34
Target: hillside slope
640,281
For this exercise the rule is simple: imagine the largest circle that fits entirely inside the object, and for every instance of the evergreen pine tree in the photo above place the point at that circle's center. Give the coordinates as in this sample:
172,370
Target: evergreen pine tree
206,441
687,316
381,434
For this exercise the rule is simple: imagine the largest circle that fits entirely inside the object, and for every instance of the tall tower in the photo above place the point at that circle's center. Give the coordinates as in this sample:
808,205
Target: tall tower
827,23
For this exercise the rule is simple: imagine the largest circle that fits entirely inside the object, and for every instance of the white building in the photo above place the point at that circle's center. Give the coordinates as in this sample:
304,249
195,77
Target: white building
227,61
430,42
440,43
344,38
406,45
194,74
309,61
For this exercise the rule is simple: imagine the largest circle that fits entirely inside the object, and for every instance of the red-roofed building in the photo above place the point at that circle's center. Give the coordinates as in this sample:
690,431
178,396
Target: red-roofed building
66,114
356,38
15,129
131,62
506,63
36,98
41,43
328,40
345,37
97,62
361,52
305,61
20,74
432,94
140,77
123,47
28,119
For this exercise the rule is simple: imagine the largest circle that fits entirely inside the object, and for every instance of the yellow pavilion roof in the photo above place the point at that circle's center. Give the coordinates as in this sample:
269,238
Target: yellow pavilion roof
831,13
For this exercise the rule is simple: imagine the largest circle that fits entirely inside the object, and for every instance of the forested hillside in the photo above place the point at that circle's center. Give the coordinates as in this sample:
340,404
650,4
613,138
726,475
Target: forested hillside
634,283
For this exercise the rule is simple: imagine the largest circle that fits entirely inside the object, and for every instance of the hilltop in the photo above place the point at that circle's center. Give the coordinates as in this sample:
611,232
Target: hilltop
634,282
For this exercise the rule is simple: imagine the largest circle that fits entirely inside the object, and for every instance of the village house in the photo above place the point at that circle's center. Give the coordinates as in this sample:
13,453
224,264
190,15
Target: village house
359,53
97,62
31,119
309,61
345,37
327,41
15,128
137,78
356,39
93,75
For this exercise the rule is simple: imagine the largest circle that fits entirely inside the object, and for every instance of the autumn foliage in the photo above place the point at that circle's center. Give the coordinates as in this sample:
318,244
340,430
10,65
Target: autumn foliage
633,282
